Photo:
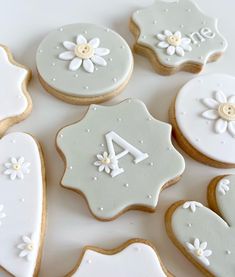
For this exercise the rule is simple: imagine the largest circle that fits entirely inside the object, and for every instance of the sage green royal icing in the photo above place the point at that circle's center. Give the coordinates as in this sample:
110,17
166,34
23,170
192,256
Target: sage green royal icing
186,17
105,79
207,226
140,183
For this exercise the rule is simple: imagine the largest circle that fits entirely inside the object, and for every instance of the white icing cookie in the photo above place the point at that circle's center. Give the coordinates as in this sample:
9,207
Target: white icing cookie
136,258
84,63
118,158
177,35
207,236
22,204
15,102
203,118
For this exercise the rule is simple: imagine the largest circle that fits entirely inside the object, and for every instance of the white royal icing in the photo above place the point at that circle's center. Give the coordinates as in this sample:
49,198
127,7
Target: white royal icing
20,231
198,249
137,260
85,53
205,115
12,99
110,161
192,205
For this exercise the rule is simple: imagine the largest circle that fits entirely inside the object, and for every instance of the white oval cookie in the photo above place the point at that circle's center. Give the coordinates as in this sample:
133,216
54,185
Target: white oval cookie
203,117
84,63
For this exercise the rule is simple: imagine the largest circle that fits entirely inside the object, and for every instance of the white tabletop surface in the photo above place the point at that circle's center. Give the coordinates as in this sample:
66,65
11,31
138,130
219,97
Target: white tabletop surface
70,225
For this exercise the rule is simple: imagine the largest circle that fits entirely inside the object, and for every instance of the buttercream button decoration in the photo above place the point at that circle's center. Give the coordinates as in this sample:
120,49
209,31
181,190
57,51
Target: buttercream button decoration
125,162
182,32
15,101
207,133
135,258
209,242
93,55
22,208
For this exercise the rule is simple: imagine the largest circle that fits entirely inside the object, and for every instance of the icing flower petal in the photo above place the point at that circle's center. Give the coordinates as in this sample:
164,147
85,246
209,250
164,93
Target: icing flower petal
88,65
231,99
81,39
196,243
69,45
95,42
185,41
178,34
186,47
23,253
75,64
171,50
180,51
168,33
207,253
98,60
221,126
67,56
161,37
204,260
231,128
220,96
190,246
211,114
203,245
102,51
163,44
210,103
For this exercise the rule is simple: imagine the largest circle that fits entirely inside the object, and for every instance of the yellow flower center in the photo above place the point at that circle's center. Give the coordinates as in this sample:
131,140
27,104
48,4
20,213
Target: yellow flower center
84,51
174,40
30,246
16,167
199,252
227,111
106,161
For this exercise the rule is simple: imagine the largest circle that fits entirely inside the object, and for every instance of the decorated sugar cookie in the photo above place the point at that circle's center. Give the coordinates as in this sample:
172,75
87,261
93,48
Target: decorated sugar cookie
176,35
22,205
15,102
135,258
84,63
119,158
207,236
203,119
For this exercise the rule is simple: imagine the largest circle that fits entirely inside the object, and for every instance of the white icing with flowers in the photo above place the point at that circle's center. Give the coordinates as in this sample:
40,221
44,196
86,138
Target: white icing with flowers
174,43
222,111
2,214
27,247
223,186
17,168
109,162
192,205
85,53
200,251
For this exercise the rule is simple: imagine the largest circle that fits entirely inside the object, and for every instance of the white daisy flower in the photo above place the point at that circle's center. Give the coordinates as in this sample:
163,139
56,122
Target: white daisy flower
84,53
222,110
199,251
174,43
105,162
16,168
27,247
223,186
192,205
2,214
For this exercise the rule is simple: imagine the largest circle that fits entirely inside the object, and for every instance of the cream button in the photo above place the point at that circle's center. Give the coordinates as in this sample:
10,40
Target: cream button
227,111
84,51
174,40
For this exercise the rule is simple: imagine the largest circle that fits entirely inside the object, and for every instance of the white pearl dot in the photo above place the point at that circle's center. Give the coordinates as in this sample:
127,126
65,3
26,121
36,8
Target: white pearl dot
114,80
189,225
85,32
143,37
201,58
61,135
40,51
13,141
149,196
110,59
57,47
168,59
122,47
76,75
126,185
181,25
137,12
169,148
96,69
151,163
94,178
53,64
228,252
70,167
119,119
22,200
101,208
183,113
107,30
102,145
53,79
61,29
188,10
87,130
86,87
141,141
89,261
154,21
94,108
149,119
166,10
